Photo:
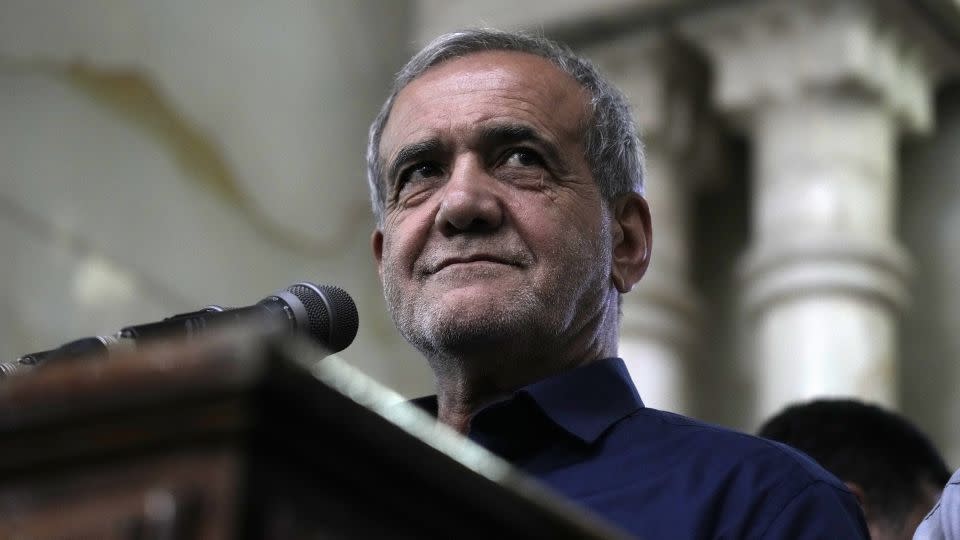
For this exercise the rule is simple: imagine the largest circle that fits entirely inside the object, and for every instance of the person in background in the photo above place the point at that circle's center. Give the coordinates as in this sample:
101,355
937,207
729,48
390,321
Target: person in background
891,466
943,522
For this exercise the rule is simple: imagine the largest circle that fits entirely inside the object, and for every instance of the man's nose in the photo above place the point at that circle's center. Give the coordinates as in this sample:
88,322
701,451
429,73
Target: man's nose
470,200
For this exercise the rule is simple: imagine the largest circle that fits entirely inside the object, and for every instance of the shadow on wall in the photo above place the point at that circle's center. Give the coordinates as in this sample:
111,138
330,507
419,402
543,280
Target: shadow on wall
723,378
930,228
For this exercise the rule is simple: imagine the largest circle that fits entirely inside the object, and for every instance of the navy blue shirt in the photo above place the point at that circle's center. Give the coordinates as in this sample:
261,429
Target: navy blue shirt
586,434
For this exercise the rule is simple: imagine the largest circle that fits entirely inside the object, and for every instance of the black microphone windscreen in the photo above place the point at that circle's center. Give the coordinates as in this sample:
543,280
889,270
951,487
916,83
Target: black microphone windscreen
332,315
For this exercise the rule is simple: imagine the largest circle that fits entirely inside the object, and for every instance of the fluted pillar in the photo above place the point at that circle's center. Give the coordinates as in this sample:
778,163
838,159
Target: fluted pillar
667,88
823,90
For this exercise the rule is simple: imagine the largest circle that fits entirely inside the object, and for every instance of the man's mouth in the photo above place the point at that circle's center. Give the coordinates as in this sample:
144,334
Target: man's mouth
472,259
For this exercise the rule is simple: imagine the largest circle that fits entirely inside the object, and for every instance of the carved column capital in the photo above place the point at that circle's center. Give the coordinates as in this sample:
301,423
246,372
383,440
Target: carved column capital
777,50
667,84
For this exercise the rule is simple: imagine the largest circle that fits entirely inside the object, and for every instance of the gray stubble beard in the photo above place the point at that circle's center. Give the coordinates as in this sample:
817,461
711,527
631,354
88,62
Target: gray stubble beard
528,328
443,337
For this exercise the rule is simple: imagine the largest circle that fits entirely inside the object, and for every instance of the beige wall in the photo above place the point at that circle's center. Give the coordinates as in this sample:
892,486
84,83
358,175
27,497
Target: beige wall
930,206
159,156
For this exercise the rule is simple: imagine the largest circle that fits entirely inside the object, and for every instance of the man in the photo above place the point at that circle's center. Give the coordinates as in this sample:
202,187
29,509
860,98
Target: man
943,522
505,175
891,466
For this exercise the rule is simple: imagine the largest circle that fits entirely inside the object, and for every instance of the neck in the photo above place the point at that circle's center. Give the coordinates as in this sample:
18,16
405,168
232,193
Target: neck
468,382
456,405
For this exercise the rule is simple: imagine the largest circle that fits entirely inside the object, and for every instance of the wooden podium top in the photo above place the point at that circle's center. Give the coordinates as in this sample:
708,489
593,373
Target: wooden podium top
240,436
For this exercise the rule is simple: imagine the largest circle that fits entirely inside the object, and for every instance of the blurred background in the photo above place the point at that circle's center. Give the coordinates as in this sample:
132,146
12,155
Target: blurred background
802,155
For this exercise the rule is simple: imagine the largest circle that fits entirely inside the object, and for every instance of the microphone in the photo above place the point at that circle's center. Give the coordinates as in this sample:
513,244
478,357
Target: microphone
89,346
324,313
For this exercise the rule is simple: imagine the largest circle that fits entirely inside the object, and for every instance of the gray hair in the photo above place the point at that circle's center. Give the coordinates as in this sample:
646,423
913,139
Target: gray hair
612,146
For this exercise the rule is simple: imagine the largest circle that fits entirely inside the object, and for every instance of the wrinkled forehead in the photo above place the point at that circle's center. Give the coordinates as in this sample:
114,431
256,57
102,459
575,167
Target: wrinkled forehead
525,85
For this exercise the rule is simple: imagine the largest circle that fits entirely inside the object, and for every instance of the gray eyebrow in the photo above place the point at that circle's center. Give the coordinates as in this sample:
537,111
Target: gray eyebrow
412,152
512,132
495,134
507,133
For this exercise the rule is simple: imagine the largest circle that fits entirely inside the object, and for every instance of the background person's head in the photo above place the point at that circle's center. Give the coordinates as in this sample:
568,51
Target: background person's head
887,462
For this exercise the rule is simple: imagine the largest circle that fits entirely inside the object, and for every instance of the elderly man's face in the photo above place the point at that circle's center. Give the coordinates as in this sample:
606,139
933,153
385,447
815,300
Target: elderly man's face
495,232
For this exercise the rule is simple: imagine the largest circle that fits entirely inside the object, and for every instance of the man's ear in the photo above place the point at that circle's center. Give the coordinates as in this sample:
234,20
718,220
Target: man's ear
376,241
632,240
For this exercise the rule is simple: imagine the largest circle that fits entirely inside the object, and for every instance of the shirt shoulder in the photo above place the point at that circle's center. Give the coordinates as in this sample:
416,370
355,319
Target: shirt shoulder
758,488
724,446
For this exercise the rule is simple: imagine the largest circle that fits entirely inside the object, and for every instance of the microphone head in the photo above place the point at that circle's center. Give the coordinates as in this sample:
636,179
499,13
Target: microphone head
8,369
332,317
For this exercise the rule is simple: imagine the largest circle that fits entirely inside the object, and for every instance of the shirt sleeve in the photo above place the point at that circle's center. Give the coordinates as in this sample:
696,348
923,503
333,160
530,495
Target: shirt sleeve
943,522
819,512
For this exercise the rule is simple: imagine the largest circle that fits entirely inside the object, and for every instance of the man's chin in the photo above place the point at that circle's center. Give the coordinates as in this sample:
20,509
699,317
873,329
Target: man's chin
482,299
492,323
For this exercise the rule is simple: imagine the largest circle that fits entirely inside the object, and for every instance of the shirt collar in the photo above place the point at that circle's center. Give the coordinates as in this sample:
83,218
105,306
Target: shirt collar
584,402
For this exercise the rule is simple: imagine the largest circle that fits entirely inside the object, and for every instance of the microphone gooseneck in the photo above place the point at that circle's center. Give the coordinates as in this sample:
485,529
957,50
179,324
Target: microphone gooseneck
323,313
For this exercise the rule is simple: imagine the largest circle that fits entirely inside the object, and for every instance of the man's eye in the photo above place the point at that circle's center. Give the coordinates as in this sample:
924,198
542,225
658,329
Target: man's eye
419,172
523,158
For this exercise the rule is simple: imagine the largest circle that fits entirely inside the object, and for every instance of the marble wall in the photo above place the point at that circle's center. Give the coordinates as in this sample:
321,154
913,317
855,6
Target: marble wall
156,157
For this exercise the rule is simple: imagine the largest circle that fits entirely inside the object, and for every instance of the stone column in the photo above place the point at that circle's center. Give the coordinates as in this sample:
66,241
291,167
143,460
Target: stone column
823,90
667,88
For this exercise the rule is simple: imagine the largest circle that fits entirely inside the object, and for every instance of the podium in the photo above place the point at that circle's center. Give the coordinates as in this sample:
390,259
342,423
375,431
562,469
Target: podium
241,436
